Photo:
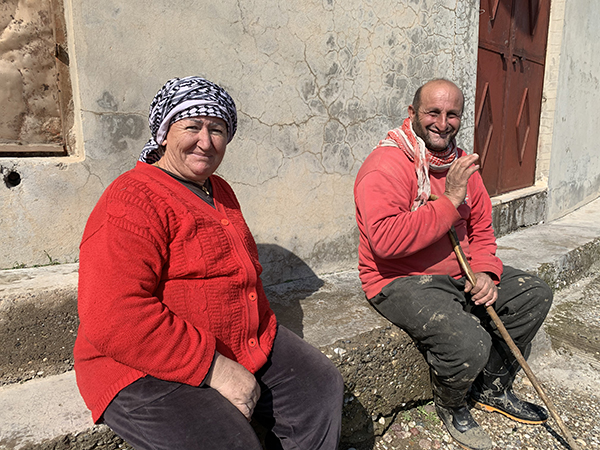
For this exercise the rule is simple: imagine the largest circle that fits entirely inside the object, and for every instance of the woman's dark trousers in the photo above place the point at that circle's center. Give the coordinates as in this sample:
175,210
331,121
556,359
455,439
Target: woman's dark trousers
300,407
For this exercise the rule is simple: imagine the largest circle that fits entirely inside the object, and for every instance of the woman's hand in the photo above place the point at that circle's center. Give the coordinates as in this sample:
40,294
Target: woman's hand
485,292
235,383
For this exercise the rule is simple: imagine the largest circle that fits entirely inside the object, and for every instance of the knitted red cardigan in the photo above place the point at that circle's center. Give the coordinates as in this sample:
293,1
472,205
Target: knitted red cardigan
164,281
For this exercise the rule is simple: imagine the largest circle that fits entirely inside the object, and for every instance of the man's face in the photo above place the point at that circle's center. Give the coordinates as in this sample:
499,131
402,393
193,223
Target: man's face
438,119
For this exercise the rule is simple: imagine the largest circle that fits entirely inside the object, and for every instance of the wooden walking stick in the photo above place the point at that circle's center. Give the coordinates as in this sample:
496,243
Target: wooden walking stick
464,264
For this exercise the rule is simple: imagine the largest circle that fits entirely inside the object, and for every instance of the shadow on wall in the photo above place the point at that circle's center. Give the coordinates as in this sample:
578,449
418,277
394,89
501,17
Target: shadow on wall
281,265
287,280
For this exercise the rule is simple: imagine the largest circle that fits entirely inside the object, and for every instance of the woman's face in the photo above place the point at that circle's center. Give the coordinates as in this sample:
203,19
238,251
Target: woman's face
194,147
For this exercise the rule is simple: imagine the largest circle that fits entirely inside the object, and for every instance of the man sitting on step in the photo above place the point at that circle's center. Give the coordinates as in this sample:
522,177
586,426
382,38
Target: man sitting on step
410,273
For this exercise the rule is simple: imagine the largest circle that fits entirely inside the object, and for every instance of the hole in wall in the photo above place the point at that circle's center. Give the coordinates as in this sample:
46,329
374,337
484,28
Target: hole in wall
12,179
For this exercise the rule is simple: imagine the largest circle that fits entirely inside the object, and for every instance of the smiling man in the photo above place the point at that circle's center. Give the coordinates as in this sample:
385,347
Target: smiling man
410,274
436,113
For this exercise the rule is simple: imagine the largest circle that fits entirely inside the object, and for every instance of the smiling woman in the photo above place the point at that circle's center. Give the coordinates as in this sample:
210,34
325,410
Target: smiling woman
194,148
178,346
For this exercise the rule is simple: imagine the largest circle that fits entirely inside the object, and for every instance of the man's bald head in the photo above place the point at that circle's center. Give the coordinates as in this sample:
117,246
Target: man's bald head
436,113
433,84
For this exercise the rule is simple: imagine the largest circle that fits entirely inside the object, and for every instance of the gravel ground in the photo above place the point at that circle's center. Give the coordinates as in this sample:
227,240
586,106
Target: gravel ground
420,429
567,363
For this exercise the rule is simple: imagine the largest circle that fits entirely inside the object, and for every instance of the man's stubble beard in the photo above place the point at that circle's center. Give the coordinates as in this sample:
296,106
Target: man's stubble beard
423,134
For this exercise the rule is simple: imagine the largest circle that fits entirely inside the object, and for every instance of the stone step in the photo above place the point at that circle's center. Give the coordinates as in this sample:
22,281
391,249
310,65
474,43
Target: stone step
40,407
38,321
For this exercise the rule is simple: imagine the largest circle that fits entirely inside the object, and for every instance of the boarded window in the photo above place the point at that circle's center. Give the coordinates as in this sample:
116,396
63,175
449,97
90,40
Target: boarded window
35,91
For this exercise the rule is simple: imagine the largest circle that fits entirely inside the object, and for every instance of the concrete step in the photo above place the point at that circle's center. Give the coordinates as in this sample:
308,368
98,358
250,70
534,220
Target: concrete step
40,407
38,321
569,343
560,251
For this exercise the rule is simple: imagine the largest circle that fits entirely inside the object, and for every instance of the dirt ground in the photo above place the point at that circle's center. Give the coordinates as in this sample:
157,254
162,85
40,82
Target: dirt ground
420,429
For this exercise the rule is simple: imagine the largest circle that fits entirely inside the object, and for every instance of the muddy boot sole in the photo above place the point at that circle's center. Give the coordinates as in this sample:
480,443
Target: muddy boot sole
490,408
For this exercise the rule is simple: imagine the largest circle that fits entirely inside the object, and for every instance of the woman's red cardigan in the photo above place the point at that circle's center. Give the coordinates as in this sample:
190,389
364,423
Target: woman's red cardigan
164,281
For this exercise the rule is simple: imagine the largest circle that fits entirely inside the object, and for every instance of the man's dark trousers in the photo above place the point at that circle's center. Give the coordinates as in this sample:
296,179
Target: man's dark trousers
454,334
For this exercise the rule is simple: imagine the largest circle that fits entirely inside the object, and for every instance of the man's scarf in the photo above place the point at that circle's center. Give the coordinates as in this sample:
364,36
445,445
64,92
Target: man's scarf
414,148
181,98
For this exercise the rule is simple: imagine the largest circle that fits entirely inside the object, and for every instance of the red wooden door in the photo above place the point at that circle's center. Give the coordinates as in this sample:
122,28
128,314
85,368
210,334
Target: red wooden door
510,75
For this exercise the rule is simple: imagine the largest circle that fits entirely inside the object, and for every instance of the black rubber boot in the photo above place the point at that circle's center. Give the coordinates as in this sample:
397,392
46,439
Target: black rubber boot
492,390
452,409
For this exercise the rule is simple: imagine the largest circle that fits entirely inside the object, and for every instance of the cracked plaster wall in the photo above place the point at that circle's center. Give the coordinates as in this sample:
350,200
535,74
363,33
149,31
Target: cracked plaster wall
317,84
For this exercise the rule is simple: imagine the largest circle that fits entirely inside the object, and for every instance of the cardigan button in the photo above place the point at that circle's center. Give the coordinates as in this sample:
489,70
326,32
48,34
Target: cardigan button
224,222
252,296
252,342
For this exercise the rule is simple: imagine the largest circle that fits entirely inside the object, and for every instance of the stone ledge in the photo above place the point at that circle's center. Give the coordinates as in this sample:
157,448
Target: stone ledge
382,370
329,312
38,321
37,331
515,210
560,251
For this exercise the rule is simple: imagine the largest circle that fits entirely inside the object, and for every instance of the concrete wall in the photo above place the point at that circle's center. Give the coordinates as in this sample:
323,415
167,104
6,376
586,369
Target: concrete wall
574,169
317,84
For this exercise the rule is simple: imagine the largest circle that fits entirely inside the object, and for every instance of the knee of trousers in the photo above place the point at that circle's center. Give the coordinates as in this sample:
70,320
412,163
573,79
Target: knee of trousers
464,360
536,297
542,301
524,324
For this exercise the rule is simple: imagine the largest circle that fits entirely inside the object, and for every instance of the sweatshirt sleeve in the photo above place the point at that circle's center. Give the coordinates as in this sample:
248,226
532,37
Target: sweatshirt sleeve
383,202
482,242
121,261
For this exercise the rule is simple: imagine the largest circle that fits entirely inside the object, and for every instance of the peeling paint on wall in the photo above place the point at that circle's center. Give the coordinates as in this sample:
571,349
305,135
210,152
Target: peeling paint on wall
28,76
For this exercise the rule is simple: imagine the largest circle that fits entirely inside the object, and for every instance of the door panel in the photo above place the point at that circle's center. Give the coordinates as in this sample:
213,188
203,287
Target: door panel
510,74
521,125
530,39
488,115
494,25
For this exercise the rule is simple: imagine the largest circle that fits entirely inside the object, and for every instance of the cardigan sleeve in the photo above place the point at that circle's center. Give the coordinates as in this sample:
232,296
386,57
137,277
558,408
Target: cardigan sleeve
121,260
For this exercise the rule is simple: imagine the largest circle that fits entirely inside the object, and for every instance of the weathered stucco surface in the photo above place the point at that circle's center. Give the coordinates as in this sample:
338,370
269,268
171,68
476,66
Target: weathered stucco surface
28,76
317,84
574,177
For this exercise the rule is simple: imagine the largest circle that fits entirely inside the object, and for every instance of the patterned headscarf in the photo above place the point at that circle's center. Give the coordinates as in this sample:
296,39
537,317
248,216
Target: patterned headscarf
414,147
181,98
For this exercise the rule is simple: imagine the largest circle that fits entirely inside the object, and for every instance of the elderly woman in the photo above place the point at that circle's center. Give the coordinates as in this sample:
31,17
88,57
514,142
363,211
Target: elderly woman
178,347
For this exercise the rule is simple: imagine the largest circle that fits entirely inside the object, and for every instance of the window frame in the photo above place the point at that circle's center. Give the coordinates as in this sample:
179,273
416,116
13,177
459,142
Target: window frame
65,97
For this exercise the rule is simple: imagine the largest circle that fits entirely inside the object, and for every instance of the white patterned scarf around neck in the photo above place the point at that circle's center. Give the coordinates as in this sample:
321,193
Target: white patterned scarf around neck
415,149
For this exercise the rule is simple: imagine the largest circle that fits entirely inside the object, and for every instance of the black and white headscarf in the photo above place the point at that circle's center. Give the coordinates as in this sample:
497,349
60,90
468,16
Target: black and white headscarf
181,98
